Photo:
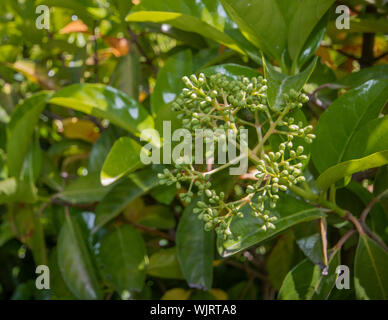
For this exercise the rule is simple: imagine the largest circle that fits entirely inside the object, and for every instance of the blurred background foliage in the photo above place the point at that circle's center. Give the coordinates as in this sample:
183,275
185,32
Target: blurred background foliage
141,48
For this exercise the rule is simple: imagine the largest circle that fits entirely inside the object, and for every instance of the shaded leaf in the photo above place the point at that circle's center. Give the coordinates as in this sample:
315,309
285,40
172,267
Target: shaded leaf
340,122
280,259
20,130
123,193
306,281
169,80
164,264
85,189
370,270
195,249
76,262
123,258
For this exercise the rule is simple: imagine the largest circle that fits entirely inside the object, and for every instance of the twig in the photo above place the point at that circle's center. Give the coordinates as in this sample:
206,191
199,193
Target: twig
69,204
152,231
373,236
368,42
324,241
313,96
247,269
381,56
348,55
341,241
246,287
51,115
356,223
367,209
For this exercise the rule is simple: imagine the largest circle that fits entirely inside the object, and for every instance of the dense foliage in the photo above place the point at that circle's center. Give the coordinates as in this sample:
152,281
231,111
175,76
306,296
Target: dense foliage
305,100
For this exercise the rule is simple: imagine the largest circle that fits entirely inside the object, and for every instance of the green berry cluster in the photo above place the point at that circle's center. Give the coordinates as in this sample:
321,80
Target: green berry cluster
219,102
214,102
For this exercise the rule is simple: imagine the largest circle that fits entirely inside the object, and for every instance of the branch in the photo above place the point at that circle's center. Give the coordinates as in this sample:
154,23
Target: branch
356,223
345,238
153,231
374,236
247,269
348,55
324,242
313,96
381,56
367,209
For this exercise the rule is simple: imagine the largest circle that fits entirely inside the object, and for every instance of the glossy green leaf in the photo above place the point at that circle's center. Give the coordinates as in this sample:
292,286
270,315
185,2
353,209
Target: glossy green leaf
313,42
343,118
347,168
369,139
306,17
20,130
123,158
267,31
290,211
195,249
181,17
368,148
76,262
307,282
356,79
280,84
105,102
164,264
123,258
371,270
85,189
169,80
123,193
